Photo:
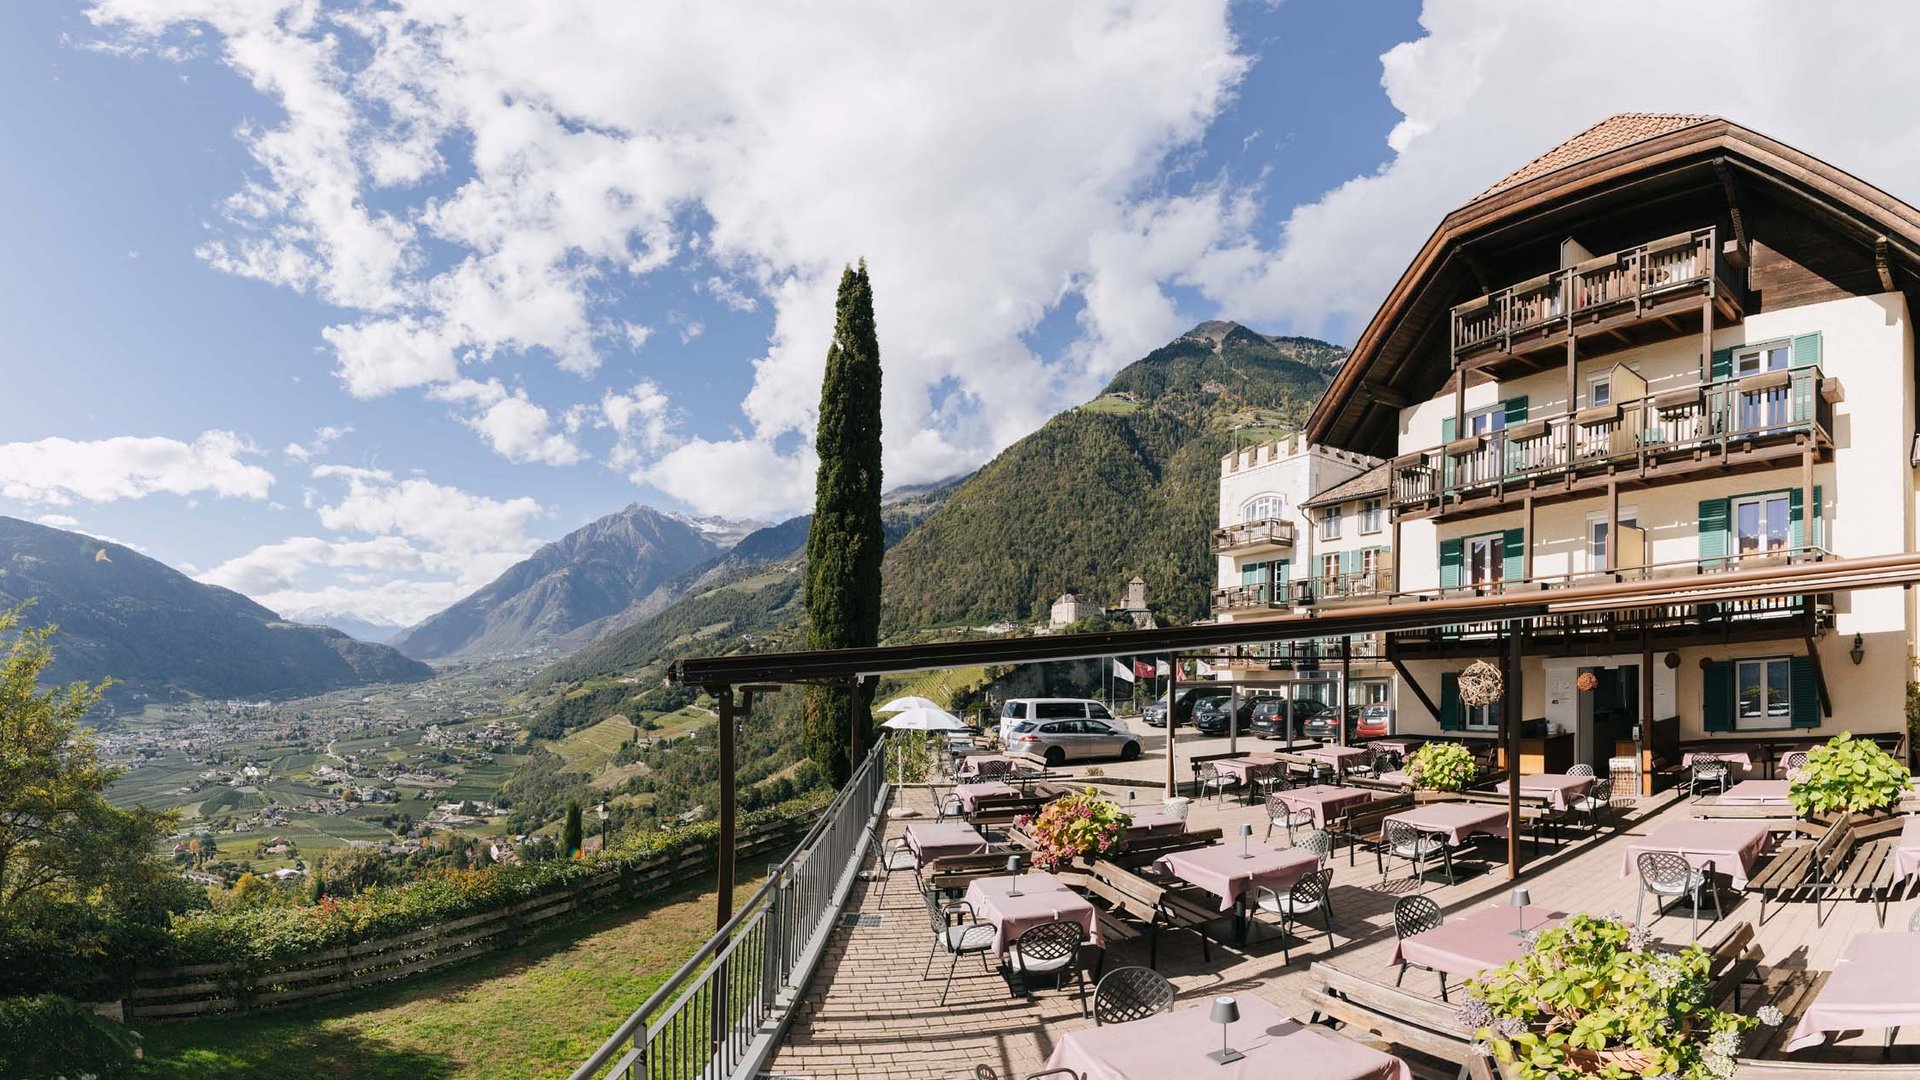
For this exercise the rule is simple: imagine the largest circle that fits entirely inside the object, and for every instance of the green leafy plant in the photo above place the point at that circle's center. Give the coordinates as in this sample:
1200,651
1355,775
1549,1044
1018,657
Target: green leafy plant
1441,766
1071,826
1596,997
1845,774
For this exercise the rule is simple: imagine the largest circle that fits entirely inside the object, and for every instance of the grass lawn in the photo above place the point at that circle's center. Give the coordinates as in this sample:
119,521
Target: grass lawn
534,1011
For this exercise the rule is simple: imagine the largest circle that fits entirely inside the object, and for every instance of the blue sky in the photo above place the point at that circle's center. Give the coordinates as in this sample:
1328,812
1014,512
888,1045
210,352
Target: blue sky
350,306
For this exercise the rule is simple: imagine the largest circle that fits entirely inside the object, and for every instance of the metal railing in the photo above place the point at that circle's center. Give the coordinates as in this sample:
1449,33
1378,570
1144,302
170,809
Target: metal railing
719,1015
1266,532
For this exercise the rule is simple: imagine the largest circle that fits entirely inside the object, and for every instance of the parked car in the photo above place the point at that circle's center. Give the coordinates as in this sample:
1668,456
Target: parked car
1269,718
1374,721
1210,715
1036,709
1154,713
1317,721
1059,741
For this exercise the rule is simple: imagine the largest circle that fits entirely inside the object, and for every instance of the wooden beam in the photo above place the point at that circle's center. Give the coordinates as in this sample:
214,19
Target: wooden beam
723,856
1381,393
1733,205
1413,684
1820,680
1883,263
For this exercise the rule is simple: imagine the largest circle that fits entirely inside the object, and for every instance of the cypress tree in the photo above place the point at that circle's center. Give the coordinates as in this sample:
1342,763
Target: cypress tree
845,541
570,837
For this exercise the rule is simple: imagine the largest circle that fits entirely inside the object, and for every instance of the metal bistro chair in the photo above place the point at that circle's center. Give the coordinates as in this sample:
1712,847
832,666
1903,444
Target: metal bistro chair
1309,895
1131,993
1401,840
1268,779
1706,769
1417,915
1668,877
1365,765
1050,950
1222,779
896,856
1320,842
992,769
1580,770
1278,813
985,1072
956,929
1791,760
1596,803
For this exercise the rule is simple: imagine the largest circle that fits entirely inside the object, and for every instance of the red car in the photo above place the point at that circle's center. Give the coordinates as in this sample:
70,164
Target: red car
1370,721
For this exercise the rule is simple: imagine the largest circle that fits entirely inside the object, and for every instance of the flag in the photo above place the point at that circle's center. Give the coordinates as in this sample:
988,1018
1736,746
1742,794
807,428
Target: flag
1201,667
1143,669
1160,668
1122,671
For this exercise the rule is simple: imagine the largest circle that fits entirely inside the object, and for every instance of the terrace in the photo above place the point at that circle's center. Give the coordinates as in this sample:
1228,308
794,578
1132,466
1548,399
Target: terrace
1253,537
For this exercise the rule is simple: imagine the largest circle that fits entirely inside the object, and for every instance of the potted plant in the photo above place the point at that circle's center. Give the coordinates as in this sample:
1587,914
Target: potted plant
1441,766
1077,825
1596,997
1847,774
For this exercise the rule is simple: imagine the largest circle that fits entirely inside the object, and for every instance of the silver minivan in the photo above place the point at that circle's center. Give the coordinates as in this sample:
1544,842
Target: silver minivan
1059,730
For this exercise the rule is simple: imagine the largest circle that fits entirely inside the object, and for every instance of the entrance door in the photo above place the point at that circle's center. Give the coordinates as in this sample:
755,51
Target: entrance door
1615,711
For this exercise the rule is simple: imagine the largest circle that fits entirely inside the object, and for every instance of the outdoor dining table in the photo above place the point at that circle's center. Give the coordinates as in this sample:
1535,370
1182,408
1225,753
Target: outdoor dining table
1155,823
1398,745
1872,986
1455,821
971,766
930,840
1742,756
1756,793
1246,768
1322,801
1233,877
1731,844
1557,788
1042,898
1906,853
971,795
1175,1044
1466,946
1339,756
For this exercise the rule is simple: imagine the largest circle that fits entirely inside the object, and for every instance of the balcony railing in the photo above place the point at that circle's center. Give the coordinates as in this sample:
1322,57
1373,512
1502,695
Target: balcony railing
1375,584
1633,279
1249,597
1248,535
1769,405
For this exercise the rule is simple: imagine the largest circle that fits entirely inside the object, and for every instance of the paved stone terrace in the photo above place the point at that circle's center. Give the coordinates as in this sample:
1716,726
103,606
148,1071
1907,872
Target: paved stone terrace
869,1013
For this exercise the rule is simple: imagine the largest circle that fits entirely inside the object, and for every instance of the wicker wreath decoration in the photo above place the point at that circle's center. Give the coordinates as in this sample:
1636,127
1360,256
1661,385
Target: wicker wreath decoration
1586,682
1480,684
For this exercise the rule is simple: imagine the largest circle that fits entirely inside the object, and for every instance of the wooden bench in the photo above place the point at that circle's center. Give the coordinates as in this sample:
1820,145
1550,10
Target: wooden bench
1734,962
1361,824
1861,864
1153,905
1395,1016
1793,865
953,873
1534,810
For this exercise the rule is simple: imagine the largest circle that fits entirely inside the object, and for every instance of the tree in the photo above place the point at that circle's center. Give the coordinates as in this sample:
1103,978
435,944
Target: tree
570,838
60,839
846,540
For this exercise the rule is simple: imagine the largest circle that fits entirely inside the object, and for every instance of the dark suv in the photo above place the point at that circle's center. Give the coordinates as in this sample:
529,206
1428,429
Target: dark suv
1210,715
1269,718
1154,713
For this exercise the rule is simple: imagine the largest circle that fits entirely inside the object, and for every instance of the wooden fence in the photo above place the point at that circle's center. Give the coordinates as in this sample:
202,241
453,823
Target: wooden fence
197,989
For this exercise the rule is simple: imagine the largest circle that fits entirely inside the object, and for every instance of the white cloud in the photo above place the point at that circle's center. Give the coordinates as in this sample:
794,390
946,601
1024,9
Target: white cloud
511,423
58,521
444,517
56,471
642,422
277,566
323,440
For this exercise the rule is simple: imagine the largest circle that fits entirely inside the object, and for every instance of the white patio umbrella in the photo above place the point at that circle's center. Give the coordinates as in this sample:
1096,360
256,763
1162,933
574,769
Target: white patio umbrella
925,718
902,704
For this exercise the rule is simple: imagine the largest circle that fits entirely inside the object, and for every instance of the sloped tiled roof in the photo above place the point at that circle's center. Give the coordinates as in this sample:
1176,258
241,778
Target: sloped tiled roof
1623,129
1371,482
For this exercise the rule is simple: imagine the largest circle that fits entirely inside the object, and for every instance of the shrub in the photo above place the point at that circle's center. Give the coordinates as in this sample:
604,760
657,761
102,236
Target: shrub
49,1035
1847,774
1441,766
1082,823
1597,997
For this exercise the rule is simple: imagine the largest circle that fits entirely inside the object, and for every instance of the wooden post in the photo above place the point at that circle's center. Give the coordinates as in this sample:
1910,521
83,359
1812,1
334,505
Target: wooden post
1706,340
1510,711
1573,379
723,857
1233,717
1346,684
1807,516
1526,534
1646,710
855,728
1173,721
1613,525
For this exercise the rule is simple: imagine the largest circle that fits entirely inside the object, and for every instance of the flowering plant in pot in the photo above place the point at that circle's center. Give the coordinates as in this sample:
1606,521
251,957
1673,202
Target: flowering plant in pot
1596,997
1080,824
1847,774
1441,766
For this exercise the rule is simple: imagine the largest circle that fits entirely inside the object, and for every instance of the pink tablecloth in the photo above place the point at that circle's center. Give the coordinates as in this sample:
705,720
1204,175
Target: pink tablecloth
1323,801
1906,856
1176,1044
1756,793
1155,823
1246,768
971,794
1456,820
1395,776
1222,871
1471,944
1341,756
930,840
1043,899
1398,745
1872,986
1731,845
1556,788
1742,758
971,766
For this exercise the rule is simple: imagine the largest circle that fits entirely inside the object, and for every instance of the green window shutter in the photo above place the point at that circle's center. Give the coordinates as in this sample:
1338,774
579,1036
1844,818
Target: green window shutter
1722,364
1714,520
1453,555
1796,514
1803,694
1806,351
1513,548
1716,707
1350,562
1281,573
1516,410
1452,717
1253,573
1446,429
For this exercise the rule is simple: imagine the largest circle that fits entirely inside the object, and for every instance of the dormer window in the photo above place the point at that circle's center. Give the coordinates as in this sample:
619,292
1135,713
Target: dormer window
1263,508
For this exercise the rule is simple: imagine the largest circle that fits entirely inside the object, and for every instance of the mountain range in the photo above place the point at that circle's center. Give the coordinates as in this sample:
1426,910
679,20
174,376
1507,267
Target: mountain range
162,635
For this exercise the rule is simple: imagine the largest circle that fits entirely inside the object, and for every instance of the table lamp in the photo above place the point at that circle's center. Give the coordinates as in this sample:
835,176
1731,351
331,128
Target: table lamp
1226,1010
1013,867
1246,840
1521,898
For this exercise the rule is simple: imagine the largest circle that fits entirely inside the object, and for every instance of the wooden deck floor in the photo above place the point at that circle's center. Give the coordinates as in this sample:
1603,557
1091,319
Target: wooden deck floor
869,1013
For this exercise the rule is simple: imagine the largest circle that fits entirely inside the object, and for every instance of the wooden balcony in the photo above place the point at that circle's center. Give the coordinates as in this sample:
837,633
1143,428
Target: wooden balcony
1246,598
1730,425
1374,585
1251,537
1615,301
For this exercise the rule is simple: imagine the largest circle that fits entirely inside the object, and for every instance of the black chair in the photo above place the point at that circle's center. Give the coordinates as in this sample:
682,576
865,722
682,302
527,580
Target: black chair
1580,770
992,768
956,929
1669,876
1402,841
985,1072
1309,895
1131,993
1417,915
1050,950
896,856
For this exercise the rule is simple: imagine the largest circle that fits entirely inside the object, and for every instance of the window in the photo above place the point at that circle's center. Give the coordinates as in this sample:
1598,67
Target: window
1373,516
1600,390
1099,711
1369,562
1597,535
1763,693
1761,524
1762,358
1481,717
1330,525
1014,710
1263,508
1485,559
1373,693
1050,710
1488,421
1330,566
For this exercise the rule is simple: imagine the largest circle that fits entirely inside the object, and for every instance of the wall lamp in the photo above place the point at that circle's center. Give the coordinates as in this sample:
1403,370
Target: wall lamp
1859,650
